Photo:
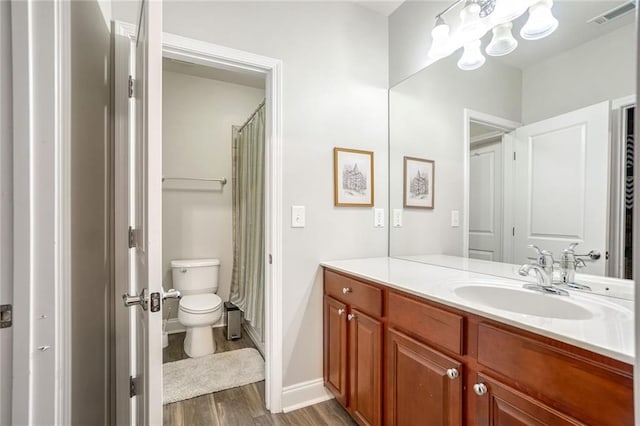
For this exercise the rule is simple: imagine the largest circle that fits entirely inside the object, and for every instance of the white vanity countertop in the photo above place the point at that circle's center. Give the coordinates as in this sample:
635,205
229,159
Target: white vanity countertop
612,336
612,287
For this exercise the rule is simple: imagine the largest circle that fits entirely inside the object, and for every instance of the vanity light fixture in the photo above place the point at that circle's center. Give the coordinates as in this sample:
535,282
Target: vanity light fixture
477,17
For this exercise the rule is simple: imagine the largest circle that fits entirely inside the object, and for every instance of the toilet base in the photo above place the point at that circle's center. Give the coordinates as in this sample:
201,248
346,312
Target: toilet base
199,341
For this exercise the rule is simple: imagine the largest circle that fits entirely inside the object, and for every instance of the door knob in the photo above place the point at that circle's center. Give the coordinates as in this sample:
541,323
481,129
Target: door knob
142,299
452,373
171,294
351,317
346,290
340,311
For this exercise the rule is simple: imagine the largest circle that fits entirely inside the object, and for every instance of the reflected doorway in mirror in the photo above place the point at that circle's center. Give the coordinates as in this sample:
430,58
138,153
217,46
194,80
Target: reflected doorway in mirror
419,177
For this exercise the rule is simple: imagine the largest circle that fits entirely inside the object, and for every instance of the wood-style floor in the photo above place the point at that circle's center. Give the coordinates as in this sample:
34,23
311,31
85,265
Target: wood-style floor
244,405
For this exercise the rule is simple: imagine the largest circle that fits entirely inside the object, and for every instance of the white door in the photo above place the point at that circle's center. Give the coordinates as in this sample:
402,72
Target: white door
146,343
561,185
485,201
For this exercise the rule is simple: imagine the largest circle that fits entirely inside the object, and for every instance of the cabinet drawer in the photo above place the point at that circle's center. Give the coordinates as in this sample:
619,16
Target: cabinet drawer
432,324
363,296
591,392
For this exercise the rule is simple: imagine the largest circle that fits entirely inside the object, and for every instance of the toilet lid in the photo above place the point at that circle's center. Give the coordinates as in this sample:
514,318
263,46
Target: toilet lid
200,303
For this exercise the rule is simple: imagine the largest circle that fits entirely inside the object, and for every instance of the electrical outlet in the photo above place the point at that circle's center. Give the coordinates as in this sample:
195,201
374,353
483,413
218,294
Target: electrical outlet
397,218
298,219
455,218
378,218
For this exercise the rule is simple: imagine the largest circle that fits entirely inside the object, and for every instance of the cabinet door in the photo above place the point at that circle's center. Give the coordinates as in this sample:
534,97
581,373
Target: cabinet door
422,386
499,405
335,348
365,366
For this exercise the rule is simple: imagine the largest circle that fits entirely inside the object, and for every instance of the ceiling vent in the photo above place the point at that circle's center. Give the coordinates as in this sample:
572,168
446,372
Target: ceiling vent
614,13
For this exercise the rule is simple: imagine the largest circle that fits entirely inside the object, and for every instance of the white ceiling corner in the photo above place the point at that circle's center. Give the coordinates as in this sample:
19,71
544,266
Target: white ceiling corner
382,7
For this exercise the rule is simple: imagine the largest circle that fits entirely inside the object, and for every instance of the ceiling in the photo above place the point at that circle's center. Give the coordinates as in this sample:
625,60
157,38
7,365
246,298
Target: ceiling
572,31
382,7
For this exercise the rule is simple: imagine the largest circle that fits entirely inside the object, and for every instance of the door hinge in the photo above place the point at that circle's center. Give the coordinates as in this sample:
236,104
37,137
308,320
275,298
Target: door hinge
513,231
514,156
130,87
133,386
132,237
270,259
6,313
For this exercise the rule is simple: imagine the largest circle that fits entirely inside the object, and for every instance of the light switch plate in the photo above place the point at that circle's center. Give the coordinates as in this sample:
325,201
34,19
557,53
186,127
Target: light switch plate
378,218
455,218
397,218
298,219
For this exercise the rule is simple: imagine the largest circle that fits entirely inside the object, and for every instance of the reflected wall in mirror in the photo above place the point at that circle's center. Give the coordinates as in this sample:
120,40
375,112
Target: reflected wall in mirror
531,148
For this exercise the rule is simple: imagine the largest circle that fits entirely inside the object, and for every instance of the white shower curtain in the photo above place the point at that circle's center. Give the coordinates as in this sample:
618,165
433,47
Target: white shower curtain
247,280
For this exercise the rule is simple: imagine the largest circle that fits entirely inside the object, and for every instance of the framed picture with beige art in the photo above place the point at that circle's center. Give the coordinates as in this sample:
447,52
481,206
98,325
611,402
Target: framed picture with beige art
419,177
352,178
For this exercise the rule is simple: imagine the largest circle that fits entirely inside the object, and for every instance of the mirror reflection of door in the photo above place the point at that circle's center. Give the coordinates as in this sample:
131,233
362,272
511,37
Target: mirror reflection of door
562,183
558,190
485,193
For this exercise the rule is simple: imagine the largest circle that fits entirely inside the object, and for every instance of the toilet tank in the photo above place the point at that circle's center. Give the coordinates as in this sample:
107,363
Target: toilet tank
195,276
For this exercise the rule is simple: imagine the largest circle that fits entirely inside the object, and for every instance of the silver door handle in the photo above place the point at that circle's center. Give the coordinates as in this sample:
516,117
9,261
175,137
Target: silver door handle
142,299
171,294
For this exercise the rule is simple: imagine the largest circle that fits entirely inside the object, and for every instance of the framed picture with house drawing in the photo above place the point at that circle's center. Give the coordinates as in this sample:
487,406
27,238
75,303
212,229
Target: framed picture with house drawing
419,176
352,178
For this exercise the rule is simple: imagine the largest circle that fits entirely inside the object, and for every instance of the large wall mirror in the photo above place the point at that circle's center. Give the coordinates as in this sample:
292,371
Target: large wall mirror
534,147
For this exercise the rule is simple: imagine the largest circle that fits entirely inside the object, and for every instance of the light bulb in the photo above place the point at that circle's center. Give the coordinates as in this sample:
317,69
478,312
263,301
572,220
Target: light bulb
502,42
439,40
472,57
507,11
541,21
471,27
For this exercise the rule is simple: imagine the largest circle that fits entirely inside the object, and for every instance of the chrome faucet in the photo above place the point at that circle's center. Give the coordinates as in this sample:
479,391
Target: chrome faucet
543,268
569,262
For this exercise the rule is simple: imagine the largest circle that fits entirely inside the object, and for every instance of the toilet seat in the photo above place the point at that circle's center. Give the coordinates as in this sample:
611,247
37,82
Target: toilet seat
200,303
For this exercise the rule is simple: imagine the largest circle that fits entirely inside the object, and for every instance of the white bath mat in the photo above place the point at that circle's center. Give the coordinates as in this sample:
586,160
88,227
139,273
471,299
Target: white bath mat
193,377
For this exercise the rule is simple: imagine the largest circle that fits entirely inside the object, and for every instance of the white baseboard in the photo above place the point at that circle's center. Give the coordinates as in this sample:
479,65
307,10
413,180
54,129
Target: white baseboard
304,394
174,326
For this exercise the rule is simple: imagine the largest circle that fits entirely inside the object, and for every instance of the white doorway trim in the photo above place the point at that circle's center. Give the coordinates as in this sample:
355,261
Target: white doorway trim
203,53
41,388
617,159
500,123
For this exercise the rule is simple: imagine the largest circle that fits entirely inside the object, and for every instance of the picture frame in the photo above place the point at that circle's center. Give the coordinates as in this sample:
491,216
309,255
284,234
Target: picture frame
419,183
353,181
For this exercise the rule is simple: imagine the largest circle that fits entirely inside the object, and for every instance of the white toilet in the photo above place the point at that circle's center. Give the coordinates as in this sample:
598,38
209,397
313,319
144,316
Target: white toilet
200,307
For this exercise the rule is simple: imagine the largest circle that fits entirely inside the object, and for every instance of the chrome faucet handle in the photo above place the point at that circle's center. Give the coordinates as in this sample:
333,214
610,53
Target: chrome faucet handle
545,257
571,248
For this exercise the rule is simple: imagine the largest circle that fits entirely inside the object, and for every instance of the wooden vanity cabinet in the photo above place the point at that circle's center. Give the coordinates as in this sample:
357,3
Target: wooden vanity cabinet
443,366
424,386
353,346
501,405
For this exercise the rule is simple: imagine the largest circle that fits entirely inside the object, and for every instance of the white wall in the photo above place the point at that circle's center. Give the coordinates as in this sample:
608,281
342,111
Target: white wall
335,94
599,70
197,115
426,121
6,207
90,205
409,37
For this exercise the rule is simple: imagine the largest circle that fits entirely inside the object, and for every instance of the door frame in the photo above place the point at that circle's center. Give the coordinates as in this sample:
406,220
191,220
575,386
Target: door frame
500,123
208,54
617,155
41,61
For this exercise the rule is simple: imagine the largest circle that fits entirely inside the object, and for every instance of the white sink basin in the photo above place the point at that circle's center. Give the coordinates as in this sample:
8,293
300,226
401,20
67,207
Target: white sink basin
526,302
